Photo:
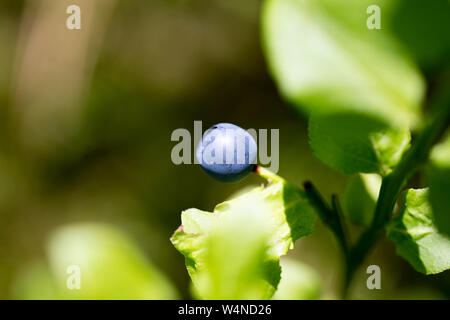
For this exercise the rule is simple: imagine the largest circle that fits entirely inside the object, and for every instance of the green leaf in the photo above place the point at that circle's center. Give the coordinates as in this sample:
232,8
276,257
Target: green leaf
354,142
325,59
423,29
298,282
360,197
389,145
110,266
231,262
35,282
438,178
415,235
233,252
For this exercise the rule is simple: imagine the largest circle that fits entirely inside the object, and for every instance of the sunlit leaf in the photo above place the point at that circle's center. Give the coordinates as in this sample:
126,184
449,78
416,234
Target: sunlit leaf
324,58
110,266
354,142
438,178
233,252
415,235
298,282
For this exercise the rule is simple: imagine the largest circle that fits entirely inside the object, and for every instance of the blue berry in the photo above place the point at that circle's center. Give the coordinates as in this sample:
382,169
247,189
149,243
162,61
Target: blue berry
227,152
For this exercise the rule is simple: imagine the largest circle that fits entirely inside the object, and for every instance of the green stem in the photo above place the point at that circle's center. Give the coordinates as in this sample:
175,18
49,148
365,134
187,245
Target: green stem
391,187
393,183
341,228
331,217
266,174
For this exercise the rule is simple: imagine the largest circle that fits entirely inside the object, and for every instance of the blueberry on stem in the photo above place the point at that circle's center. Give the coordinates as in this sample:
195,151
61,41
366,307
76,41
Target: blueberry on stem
227,152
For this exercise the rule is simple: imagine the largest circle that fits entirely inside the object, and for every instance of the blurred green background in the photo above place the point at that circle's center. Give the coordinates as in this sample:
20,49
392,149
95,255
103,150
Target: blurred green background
85,123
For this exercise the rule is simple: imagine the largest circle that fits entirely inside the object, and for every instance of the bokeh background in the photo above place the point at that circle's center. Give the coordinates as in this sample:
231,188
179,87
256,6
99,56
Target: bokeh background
85,123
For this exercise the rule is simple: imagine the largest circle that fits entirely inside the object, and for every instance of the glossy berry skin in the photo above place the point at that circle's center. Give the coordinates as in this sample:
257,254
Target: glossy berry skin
227,152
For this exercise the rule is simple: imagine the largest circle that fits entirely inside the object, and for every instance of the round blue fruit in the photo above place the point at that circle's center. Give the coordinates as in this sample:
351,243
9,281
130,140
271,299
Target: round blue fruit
227,152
